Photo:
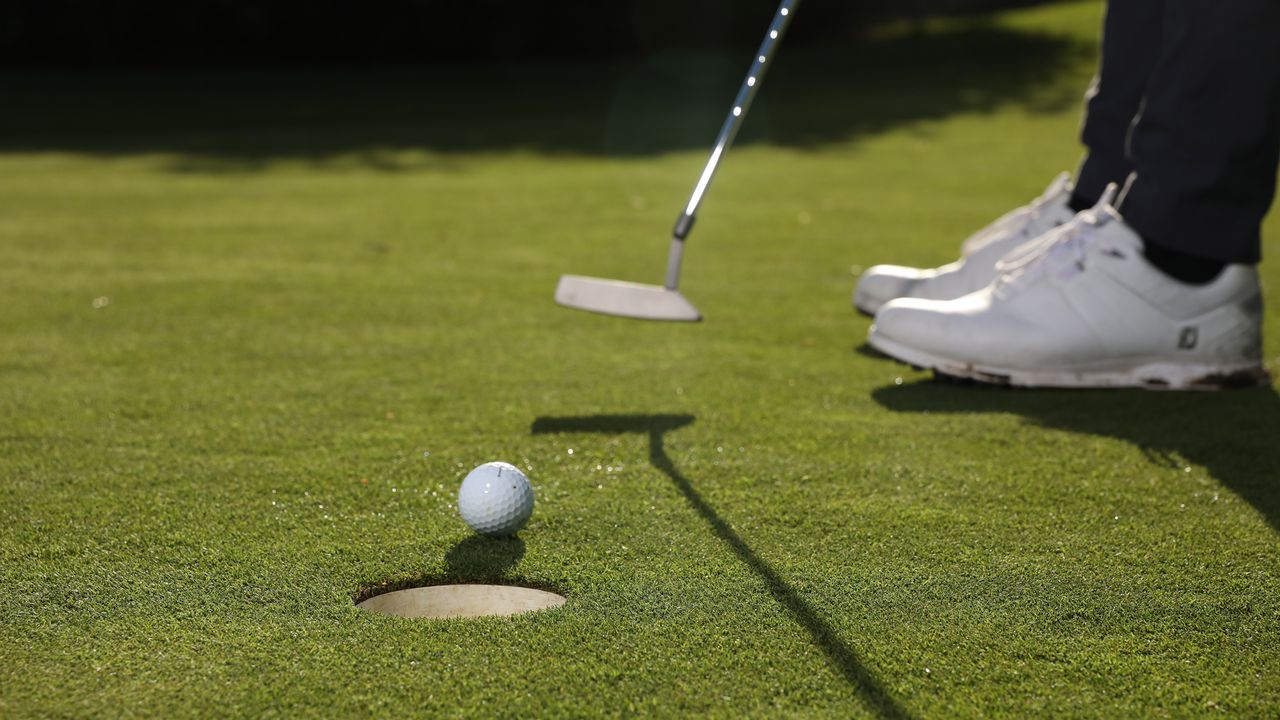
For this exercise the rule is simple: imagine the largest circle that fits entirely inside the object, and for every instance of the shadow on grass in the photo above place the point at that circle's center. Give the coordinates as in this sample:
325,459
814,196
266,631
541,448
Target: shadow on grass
843,658
238,121
476,559
484,559
1235,434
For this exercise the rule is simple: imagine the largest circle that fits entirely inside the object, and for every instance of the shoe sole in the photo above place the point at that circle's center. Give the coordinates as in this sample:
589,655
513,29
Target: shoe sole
1150,376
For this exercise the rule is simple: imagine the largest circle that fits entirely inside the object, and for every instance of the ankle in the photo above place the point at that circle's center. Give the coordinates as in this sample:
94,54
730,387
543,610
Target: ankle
1189,269
1080,203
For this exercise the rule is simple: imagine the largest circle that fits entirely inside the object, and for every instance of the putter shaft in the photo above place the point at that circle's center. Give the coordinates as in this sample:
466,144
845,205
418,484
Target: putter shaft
728,131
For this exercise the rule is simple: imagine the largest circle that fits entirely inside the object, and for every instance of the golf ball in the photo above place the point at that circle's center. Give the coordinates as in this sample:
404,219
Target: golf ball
495,499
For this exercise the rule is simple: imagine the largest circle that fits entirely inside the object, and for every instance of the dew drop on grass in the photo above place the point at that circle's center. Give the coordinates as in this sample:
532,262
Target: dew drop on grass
570,451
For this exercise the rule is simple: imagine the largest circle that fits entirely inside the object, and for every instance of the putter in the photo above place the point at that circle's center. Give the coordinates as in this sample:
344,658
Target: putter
664,302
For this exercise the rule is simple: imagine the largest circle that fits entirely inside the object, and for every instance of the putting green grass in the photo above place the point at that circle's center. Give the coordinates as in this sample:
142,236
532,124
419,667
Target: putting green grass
255,327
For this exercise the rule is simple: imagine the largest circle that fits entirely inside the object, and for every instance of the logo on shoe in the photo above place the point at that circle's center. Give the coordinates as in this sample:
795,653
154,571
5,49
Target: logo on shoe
1188,338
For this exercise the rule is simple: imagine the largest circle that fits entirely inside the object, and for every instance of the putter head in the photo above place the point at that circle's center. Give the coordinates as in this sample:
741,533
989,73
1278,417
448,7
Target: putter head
625,299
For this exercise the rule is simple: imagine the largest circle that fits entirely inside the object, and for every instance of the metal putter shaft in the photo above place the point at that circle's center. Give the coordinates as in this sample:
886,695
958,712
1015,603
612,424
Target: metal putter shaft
664,302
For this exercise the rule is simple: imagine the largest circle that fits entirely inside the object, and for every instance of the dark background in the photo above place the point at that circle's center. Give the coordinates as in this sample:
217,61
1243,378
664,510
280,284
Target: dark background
220,33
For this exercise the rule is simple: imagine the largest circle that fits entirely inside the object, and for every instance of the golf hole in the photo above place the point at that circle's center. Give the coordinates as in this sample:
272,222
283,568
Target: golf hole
462,601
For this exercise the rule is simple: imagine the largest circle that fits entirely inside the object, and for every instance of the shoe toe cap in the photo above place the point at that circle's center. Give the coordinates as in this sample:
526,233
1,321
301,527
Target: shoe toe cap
914,321
935,327
883,283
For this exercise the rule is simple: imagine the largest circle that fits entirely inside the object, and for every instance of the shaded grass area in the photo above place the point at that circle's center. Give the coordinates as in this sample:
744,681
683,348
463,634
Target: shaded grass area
235,397
403,119
1230,434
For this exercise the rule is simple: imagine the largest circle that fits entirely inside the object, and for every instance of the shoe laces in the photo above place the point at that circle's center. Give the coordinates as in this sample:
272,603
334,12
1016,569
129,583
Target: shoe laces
1019,221
1061,250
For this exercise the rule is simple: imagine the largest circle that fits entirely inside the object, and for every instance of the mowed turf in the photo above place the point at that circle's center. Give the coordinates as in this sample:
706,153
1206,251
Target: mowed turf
254,328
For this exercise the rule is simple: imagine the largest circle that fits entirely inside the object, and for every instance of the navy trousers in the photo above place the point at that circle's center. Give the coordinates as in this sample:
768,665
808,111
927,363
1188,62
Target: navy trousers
1185,109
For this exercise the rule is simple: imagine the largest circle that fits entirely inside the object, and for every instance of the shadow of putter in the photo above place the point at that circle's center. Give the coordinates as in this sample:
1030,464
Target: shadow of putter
842,658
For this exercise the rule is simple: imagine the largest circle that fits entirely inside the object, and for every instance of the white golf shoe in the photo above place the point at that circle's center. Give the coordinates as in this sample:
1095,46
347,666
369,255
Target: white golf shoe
1082,307
976,267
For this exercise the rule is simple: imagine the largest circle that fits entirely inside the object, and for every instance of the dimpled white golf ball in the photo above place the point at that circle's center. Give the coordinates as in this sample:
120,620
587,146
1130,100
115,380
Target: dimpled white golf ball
495,499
